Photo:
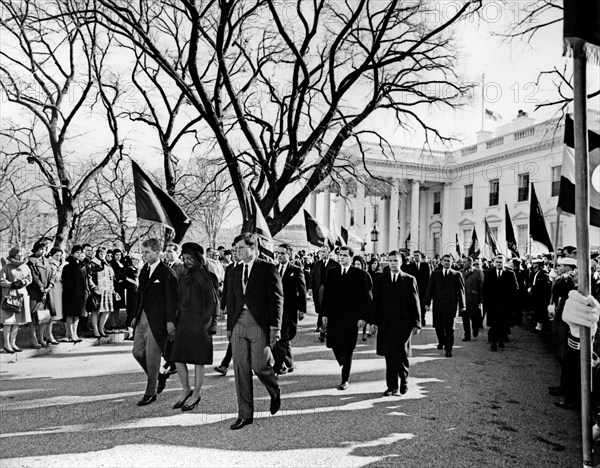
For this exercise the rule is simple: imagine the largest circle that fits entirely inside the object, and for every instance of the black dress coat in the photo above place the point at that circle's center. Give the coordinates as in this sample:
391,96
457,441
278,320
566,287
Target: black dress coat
473,291
422,275
499,297
316,282
197,305
157,297
539,295
263,296
74,281
345,302
396,310
448,294
294,296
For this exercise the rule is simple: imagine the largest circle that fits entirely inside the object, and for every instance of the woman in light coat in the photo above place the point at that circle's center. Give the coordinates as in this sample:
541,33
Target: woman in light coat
14,278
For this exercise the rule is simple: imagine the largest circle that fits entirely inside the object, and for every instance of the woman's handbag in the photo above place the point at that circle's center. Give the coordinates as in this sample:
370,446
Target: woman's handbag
44,316
12,303
92,304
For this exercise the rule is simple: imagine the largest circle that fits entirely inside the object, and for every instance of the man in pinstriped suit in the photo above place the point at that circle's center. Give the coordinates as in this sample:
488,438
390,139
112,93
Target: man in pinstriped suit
254,314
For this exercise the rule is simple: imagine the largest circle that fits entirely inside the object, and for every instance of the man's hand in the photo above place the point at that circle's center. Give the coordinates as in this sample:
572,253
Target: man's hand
229,336
361,324
551,311
463,310
324,321
301,316
581,311
171,328
415,330
274,336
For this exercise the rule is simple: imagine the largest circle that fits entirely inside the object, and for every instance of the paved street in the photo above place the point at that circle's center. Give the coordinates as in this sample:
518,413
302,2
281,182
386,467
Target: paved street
76,407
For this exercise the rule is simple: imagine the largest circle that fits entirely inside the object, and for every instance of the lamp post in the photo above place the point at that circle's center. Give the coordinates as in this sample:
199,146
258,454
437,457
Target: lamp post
374,238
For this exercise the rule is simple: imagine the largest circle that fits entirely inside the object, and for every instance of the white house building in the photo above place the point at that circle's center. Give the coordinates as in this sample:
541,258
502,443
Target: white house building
433,198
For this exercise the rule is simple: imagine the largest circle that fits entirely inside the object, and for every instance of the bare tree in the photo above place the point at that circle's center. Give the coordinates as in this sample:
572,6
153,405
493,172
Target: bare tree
533,17
50,67
282,86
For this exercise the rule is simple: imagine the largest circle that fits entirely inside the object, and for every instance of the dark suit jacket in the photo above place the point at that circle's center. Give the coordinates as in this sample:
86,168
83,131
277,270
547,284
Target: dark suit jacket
473,290
294,293
158,296
539,296
345,302
316,282
499,296
177,268
422,275
447,294
396,310
226,282
263,297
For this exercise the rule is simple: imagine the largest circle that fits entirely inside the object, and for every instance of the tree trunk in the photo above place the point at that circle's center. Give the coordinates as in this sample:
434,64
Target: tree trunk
65,220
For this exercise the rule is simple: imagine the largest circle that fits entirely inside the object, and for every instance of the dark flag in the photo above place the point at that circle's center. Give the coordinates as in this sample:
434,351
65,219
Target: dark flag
474,247
458,247
489,238
316,233
566,196
155,205
537,224
511,241
407,241
259,224
581,29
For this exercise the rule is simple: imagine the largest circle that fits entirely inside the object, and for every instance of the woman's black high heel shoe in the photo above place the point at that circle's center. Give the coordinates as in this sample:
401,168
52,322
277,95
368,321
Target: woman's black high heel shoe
192,406
181,403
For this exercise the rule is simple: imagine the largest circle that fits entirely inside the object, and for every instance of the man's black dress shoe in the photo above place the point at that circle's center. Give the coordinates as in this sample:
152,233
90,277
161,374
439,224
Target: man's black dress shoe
146,400
390,392
403,387
162,383
240,422
276,402
565,405
282,371
448,353
343,386
440,346
181,403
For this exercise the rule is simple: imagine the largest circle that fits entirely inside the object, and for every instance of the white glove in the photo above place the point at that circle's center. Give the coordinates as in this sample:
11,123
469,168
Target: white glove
551,311
581,310
553,274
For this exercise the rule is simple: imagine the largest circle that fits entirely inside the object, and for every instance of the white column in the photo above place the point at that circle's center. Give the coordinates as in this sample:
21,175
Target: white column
447,237
425,240
369,224
313,204
340,207
359,206
385,225
403,219
393,216
327,208
414,215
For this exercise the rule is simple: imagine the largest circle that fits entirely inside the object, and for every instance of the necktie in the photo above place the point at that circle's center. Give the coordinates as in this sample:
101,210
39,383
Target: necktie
498,271
280,270
445,272
394,278
343,272
245,275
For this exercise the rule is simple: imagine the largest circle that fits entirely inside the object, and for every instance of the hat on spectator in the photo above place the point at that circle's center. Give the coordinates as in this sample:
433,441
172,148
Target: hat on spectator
537,260
567,261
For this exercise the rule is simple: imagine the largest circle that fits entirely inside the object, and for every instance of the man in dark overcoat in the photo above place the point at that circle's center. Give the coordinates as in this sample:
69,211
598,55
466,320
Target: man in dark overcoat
421,270
540,291
472,318
294,308
316,283
500,290
345,309
396,312
157,299
447,291
254,312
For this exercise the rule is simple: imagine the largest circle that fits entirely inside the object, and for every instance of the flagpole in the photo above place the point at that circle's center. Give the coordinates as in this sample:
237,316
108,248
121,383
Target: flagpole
582,220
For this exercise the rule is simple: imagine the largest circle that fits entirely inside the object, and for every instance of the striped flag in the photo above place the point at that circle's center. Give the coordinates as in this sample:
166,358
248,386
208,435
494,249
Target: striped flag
490,239
566,197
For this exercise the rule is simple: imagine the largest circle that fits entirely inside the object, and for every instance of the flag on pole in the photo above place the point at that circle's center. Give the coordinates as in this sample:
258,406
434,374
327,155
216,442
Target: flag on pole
537,224
458,247
259,224
339,238
344,234
155,205
511,241
566,196
316,233
490,114
407,241
474,249
581,29
490,239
